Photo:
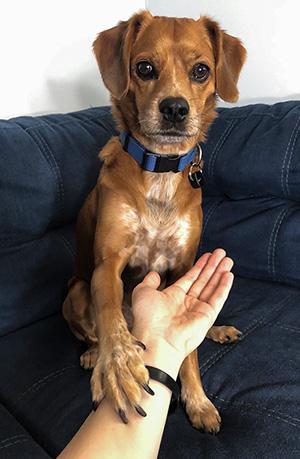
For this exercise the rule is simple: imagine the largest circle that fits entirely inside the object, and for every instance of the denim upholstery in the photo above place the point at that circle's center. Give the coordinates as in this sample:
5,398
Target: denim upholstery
48,165
15,441
252,205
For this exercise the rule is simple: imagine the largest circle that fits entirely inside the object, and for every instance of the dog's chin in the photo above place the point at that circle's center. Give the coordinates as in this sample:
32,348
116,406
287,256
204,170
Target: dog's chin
169,137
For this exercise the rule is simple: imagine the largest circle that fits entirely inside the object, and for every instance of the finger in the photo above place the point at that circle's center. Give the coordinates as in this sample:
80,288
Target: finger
207,272
220,294
205,313
225,265
187,280
152,280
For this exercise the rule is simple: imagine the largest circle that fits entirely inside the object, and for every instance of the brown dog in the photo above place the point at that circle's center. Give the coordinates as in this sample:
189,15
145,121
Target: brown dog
164,75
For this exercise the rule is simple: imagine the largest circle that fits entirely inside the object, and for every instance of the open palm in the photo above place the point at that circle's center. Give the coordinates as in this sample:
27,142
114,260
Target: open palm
182,313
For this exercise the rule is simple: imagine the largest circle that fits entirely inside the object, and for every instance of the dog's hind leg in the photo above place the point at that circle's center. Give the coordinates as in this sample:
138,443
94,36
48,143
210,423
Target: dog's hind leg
89,358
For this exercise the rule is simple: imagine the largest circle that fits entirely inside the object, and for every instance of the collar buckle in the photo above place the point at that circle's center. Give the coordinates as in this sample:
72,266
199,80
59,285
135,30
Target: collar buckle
167,163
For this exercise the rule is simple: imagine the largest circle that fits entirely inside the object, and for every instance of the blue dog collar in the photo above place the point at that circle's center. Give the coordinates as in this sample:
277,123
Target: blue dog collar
154,162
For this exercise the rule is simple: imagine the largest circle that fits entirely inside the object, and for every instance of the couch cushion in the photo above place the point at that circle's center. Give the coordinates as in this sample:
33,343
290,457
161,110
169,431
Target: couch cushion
254,383
48,166
50,163
15,441
252,194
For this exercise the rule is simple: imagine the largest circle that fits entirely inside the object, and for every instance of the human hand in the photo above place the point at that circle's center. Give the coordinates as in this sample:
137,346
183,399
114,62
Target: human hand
181,314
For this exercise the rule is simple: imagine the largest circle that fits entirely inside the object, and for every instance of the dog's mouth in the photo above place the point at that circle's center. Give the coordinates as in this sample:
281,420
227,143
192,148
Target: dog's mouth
169,135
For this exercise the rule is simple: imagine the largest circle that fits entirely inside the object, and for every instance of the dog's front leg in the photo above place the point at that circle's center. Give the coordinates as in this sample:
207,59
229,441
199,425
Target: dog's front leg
119,372
200,410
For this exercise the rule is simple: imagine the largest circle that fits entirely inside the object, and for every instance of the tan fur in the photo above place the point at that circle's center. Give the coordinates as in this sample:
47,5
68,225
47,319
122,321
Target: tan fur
134,221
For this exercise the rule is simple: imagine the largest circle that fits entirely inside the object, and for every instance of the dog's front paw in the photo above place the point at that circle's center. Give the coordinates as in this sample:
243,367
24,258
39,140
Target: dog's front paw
120,375
201,412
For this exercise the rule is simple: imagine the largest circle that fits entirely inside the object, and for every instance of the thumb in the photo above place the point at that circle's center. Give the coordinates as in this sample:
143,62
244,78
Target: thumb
152,280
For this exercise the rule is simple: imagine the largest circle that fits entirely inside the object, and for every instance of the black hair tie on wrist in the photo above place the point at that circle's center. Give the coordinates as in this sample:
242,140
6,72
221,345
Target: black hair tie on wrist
166,380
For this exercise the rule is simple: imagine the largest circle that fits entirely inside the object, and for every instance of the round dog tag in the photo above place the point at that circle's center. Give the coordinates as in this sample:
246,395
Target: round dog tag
196,178
195,172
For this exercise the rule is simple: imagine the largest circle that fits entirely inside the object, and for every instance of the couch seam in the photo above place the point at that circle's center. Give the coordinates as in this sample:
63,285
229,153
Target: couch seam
47,154
15,442
20,243
218,146
295,330
210,210
40,382
290,159
258,409
16,125
284,159
271,240
13,438
262,115
251,327
207,218
274,242
31,436
67,245
87,120
262,321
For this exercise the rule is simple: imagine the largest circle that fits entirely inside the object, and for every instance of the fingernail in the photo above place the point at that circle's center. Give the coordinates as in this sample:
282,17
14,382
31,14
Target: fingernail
148,389
142,345
123,416
140,410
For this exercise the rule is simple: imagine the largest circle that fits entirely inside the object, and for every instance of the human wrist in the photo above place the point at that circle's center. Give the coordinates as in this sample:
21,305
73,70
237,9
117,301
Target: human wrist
160,354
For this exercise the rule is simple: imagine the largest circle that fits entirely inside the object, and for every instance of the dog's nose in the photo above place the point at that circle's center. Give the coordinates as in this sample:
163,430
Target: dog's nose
174,108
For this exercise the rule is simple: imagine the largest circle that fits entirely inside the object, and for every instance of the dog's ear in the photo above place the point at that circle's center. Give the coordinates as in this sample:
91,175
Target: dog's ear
112,49
230,56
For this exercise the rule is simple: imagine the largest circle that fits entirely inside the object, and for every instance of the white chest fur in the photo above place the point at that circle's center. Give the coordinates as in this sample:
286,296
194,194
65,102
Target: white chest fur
159,234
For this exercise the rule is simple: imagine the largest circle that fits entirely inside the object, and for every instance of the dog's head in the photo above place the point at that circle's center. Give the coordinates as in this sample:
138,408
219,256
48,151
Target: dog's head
164,75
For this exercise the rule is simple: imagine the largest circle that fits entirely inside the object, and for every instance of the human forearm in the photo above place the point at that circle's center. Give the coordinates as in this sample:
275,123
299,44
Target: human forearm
103,435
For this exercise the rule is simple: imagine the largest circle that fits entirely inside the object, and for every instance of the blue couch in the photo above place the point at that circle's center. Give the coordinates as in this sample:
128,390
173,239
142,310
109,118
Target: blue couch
48,164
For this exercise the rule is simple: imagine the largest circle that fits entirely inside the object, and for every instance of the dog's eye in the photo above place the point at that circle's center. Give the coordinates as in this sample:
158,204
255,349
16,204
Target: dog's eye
200,72
145,70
